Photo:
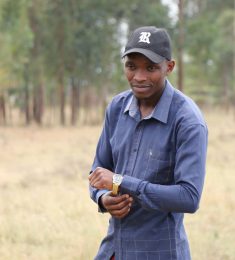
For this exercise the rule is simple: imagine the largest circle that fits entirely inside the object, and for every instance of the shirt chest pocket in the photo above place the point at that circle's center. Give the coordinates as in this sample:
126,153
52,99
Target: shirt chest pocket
160,167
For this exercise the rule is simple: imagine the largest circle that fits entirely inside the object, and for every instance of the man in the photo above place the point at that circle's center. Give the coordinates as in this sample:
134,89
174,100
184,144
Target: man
149,166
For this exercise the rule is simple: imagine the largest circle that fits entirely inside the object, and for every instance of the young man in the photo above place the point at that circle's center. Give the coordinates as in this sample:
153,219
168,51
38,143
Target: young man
149,166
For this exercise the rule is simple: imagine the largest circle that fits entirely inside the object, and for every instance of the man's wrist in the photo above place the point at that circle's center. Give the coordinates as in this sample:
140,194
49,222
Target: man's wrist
101,204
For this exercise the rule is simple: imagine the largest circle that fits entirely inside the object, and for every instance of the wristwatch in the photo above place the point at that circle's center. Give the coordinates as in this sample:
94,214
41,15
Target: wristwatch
117,180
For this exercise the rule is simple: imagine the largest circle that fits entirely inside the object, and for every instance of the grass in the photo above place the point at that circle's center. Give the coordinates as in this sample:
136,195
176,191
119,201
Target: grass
45,210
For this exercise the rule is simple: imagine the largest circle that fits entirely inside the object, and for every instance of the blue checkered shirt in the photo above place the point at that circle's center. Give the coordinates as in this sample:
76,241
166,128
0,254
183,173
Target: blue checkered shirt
162,159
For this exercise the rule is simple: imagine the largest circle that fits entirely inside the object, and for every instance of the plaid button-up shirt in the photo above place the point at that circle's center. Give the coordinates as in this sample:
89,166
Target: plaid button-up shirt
162,159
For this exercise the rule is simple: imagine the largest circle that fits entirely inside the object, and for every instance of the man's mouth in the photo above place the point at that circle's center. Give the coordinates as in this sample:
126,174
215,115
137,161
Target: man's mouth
141,86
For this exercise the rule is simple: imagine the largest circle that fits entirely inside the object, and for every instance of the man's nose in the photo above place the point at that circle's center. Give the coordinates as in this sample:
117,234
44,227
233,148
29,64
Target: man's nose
140,76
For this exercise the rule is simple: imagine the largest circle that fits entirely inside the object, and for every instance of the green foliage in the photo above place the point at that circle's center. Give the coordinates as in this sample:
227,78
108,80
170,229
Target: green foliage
209,44
82,39
142,13
15,39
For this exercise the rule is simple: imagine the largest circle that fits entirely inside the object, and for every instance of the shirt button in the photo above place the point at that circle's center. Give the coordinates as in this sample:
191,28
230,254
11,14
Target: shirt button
135,150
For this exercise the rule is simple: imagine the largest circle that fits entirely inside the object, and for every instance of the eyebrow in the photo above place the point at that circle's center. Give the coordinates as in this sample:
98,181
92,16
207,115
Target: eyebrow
128,61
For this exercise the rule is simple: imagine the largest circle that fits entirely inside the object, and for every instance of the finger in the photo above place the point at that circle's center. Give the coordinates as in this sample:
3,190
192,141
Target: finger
94,173
98,185
120,213
98,170
98,176
120,201
124,198
123,215
117,199
93,181
91,177
95,178
119,205
111,202
108,200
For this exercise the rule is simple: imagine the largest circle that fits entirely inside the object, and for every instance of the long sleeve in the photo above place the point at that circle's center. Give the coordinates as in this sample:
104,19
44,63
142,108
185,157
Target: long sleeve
184,195
103,158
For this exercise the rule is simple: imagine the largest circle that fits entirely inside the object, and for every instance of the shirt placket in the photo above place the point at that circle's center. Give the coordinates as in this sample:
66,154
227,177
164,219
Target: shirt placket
135,147
130,168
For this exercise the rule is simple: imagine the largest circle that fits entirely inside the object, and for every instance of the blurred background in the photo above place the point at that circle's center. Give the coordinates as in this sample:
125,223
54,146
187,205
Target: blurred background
60,64
60,59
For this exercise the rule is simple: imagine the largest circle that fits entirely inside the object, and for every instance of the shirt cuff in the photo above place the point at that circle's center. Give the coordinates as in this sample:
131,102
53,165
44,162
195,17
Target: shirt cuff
98,201
130,185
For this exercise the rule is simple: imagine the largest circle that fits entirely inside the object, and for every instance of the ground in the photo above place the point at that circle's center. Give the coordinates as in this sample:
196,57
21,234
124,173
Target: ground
45,210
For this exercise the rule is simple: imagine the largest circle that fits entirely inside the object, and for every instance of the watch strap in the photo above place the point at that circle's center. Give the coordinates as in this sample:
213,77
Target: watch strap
115,189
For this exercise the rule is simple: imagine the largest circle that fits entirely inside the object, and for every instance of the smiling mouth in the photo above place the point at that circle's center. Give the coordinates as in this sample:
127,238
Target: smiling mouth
141,86
141,89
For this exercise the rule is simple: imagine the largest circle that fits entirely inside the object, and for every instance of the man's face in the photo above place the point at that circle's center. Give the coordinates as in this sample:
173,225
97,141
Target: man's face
147,79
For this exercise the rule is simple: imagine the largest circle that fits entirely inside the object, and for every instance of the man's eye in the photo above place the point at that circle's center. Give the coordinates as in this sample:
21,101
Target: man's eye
151,68
130,66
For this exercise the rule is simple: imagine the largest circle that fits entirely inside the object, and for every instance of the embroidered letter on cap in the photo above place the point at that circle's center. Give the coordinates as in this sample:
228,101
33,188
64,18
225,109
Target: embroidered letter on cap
144,37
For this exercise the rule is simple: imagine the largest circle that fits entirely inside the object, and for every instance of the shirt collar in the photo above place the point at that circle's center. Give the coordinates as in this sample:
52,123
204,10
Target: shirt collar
132,106
160,111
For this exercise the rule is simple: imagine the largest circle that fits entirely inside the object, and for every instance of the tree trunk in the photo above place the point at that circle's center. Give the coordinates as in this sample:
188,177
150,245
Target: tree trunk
225,88
61,64
27,96
27,109
180,46
62,99
74,102
2,110
36,63
38,103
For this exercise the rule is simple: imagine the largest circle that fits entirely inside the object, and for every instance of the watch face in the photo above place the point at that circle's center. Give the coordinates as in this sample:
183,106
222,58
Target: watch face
117,178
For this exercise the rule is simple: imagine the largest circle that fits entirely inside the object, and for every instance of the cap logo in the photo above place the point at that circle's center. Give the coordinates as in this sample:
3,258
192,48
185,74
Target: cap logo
144,37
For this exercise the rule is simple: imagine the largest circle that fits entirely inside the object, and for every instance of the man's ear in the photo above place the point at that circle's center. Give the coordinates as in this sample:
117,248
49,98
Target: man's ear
170,66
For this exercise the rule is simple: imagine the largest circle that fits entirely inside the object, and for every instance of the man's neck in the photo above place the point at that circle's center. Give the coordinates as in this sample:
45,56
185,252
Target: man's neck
147,106
145,111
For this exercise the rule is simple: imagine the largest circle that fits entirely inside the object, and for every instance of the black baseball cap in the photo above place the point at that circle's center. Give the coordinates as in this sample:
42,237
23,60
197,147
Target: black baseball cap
152,42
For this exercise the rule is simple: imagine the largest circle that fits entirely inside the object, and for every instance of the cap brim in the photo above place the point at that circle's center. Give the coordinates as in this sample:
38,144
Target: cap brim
149,54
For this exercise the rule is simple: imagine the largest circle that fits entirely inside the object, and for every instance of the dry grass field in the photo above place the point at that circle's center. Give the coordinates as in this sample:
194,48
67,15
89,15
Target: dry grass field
45,210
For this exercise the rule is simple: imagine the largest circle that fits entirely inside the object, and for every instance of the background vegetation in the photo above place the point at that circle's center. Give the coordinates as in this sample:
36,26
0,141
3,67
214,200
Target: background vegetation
60,58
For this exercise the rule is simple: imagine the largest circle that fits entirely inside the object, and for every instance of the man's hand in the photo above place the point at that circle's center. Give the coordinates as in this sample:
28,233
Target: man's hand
117,206
101,178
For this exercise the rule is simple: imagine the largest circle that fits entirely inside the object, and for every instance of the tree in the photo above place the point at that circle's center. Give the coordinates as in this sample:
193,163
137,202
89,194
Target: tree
35,17
225,53
180,43
16,42
209,44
